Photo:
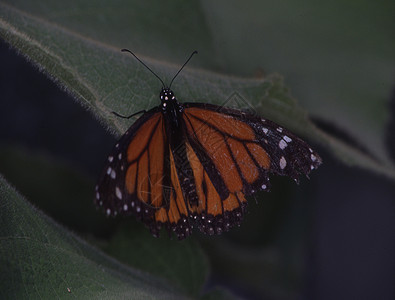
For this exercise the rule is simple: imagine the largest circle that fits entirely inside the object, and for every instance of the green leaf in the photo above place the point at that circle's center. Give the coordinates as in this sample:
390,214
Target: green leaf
40,259
337,56
181,262
78,46
58,180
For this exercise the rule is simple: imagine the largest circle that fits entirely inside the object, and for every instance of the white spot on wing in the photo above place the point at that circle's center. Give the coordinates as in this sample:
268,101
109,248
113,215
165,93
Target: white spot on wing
279,129
265,130
118,193
108,211
110,158
120,156
109,170
125,207
97,196
264,186
287,139
283,162
282,144
113,174
313,157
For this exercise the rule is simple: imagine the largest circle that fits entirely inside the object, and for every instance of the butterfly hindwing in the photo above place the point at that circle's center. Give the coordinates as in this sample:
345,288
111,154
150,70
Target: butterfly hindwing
214,213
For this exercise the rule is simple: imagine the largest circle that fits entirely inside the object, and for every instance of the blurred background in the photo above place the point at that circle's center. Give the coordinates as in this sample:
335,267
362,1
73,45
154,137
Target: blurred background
331,237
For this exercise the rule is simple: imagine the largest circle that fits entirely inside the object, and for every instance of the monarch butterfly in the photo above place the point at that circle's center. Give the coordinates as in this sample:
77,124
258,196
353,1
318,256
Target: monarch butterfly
185,165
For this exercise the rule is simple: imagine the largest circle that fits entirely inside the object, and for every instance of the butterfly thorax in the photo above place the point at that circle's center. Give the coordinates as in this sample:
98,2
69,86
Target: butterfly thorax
171,107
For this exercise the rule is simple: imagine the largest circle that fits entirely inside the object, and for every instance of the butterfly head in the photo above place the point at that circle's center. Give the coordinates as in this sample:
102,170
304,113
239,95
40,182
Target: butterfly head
166,96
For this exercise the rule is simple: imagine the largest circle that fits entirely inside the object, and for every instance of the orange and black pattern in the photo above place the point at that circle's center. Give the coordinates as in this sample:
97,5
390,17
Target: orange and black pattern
191,165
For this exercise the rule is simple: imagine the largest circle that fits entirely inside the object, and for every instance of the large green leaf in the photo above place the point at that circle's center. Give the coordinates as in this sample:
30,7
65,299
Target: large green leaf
78,46
336,56
40,259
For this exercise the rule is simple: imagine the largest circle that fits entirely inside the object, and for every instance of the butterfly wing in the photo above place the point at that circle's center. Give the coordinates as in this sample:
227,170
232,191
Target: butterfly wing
233,153
140,178
132,179
226,154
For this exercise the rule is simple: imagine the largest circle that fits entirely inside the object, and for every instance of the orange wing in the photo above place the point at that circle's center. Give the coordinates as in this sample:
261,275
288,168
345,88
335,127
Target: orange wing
134,178
232,146
232,154
210,214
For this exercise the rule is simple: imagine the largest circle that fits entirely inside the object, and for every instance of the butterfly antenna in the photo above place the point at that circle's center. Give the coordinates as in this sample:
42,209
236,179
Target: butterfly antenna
193,53
126,50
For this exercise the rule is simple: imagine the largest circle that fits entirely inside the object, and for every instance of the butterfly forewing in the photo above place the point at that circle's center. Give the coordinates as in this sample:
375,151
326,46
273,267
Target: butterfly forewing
250,143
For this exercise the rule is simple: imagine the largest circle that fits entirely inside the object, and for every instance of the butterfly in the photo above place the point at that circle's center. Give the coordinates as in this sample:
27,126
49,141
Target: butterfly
186,165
